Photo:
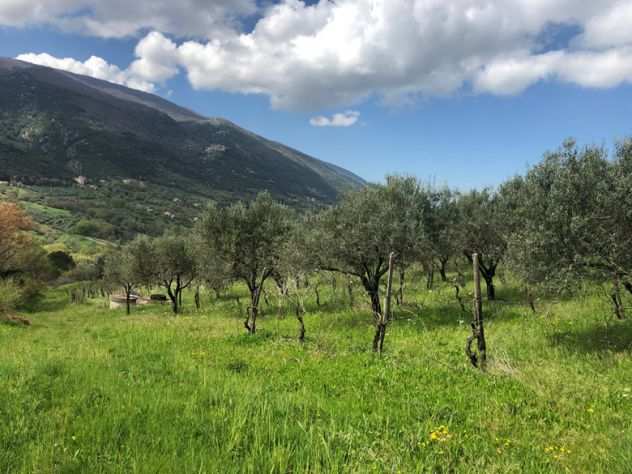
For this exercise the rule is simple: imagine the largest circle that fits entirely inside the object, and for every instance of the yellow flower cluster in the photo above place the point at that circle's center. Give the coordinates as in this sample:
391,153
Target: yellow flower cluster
503,443
557,452
440,434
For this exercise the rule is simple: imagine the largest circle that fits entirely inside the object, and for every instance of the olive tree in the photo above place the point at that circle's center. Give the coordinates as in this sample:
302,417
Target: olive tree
357,236
442,228
483,231
575,220
247,239
297,262
128,267
174,266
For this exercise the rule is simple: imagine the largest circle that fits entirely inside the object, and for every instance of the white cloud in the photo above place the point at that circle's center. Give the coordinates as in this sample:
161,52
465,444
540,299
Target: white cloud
513,74
94,67
118,18
157,58
603,69
611,27
344,119
338,54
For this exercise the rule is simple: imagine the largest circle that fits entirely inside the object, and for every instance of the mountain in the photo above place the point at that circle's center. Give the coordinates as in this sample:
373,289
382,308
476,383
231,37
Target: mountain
56,126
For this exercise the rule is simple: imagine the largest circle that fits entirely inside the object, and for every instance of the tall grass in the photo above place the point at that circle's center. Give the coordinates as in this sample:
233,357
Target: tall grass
86,389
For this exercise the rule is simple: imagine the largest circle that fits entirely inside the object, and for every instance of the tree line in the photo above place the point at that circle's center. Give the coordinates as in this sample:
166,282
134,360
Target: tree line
566,221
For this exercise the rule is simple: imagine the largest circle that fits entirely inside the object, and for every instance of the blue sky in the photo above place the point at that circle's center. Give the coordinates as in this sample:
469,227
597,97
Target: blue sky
474,126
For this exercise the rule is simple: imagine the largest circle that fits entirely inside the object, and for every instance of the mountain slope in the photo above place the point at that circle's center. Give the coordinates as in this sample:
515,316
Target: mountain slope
55,126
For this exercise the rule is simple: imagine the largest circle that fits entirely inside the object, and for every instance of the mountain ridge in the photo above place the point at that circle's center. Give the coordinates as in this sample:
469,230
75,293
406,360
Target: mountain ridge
56,125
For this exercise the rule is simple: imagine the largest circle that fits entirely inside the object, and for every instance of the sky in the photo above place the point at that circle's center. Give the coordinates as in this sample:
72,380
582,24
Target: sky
459,92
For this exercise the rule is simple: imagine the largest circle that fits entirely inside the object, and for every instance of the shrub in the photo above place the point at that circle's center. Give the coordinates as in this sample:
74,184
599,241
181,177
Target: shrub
93,228
61,261
10,296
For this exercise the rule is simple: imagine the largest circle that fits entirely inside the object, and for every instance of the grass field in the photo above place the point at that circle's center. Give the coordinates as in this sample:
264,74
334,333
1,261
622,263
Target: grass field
86,389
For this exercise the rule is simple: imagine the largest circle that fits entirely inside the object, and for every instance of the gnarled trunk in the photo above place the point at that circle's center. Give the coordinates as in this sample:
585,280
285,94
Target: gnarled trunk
402,282
430,278
491,289
372,289
299,317
350,292
173,296
442,269
253,310
127,288
617,303
197,297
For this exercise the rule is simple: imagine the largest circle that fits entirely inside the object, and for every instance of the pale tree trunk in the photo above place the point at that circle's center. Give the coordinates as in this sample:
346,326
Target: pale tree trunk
350,292
255,295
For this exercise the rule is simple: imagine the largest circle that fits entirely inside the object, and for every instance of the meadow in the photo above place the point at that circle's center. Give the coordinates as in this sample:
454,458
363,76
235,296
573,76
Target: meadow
88,389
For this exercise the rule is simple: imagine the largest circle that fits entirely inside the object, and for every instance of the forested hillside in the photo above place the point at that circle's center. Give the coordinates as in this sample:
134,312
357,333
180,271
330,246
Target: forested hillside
131,162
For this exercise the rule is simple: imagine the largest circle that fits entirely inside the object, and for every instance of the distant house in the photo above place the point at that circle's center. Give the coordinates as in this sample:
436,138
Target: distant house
81,180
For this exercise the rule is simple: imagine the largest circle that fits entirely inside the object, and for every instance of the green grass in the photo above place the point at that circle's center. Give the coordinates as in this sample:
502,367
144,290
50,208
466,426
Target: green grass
86,389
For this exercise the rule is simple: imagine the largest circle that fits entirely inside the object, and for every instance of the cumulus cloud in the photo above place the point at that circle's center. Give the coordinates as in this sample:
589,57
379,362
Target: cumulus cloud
94,67
343,119
513,74
338,54
611,27
602,69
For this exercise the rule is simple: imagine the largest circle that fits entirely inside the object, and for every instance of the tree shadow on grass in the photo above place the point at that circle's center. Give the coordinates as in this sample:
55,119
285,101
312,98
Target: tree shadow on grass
424,317
599,338
446,316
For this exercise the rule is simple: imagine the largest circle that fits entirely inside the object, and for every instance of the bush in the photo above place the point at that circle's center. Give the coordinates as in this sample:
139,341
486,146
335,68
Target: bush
85,271
29,292
10,296
61,261
94,228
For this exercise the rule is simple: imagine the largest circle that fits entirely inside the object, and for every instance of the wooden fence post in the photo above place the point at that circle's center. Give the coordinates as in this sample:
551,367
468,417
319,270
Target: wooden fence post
386,315
478,331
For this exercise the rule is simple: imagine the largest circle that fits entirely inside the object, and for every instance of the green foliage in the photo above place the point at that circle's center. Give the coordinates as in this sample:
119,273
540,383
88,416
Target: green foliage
131,265
10,296
94,228
357,236
574,216
247,239
61,261
171,262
